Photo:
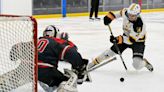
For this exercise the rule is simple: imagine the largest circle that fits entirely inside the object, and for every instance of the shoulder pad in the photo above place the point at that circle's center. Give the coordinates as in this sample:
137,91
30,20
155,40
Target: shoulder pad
122,12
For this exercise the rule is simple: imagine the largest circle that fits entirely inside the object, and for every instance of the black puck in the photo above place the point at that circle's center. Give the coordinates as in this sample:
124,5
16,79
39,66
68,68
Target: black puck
122,79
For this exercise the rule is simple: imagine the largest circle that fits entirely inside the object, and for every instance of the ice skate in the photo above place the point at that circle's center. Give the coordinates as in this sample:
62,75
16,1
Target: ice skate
97,18
148,65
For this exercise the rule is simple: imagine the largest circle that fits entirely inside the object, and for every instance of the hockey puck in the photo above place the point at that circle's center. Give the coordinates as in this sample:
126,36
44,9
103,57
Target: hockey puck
122,79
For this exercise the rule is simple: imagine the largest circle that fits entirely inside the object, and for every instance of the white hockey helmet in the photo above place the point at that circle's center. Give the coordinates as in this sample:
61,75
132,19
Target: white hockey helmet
134,9
51,31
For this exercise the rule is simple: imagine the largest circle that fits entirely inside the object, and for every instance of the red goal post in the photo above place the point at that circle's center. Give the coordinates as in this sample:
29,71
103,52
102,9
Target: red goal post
18,53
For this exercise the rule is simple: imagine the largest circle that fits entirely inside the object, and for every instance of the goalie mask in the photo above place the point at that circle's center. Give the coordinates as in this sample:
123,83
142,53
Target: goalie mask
51,31
133,11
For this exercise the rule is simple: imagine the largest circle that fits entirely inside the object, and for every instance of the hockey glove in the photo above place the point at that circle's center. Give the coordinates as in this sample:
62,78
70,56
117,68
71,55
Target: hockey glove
112,39
117,39
107,20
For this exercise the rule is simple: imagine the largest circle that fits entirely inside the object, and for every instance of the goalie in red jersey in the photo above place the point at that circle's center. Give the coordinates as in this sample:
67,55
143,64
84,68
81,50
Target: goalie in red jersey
51,50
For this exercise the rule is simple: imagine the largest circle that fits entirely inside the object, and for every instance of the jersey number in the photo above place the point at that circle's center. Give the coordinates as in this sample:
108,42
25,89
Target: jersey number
42,45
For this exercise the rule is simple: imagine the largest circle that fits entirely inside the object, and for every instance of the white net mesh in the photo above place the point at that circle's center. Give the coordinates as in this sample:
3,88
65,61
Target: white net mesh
17,54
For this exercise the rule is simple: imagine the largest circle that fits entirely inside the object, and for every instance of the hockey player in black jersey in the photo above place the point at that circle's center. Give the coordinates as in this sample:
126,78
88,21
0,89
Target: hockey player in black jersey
133,37
52,49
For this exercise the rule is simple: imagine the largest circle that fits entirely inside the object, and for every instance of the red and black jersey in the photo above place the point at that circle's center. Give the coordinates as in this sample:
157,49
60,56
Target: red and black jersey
51,50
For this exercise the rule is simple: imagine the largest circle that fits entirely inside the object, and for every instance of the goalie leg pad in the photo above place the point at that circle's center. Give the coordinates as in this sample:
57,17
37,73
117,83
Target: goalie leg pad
70,85
46,87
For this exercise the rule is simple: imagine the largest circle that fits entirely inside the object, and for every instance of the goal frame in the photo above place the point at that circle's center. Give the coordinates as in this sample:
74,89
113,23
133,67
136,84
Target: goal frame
35,34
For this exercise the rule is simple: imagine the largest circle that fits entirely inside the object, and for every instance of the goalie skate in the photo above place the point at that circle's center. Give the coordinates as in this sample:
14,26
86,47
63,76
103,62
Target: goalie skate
148,65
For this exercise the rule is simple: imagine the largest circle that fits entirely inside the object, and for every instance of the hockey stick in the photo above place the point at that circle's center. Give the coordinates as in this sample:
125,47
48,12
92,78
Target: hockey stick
116,46
88,78
100,65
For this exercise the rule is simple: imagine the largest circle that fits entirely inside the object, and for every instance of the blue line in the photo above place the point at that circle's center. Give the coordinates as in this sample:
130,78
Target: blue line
64,8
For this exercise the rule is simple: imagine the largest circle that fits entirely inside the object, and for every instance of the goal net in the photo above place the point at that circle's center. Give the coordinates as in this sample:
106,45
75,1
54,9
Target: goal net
18,54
